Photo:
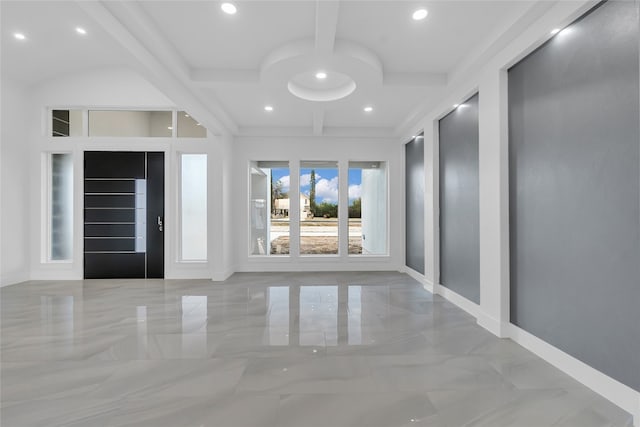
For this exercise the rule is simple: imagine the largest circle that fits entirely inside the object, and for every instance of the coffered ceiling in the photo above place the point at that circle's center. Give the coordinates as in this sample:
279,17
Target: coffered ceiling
229,67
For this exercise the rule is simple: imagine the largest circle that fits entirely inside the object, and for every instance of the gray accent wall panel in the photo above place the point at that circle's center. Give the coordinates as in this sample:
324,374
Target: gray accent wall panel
459,201
414,204
574,141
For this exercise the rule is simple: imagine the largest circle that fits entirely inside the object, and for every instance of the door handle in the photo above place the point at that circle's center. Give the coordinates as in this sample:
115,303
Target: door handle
159,223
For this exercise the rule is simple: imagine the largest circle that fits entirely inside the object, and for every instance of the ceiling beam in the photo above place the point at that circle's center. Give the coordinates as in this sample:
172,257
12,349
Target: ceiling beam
415,79
327,12
318,121
204,76
157,60
226,75
366,133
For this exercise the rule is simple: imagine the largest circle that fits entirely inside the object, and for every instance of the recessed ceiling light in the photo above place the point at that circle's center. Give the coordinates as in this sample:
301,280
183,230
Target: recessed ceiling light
228,8
19,36
555,31
186,115
368,109
321,75
268,108
420,14
456,105
81,30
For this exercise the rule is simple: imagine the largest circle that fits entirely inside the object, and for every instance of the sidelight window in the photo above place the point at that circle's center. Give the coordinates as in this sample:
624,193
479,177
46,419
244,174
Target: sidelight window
269,208
367,208
60,206
193,207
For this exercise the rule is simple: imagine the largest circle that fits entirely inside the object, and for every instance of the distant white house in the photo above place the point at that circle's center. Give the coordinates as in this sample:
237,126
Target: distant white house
282,206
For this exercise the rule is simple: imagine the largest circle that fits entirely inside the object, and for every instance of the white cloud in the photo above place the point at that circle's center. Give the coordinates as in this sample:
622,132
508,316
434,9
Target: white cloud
327,190
355,191
305,180
286,183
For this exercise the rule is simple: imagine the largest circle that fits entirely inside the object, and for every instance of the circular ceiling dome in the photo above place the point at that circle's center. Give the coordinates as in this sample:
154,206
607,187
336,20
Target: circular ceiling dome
335,86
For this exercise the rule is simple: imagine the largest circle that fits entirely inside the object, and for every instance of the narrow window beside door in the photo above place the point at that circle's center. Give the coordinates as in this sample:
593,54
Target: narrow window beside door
60,207
193,205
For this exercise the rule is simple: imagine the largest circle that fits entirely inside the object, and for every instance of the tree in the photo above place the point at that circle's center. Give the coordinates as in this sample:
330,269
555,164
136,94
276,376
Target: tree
273,197
355,209
327,210
276,193
312,192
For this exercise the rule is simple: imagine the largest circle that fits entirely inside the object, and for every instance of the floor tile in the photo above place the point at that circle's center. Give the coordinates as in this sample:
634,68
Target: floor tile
270,349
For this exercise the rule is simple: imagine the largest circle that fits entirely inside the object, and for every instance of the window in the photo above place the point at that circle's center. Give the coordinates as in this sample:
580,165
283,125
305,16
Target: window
193,207
120,123
367,208
125,123
269,208
66,123
319,208
60,212
188,127
316,213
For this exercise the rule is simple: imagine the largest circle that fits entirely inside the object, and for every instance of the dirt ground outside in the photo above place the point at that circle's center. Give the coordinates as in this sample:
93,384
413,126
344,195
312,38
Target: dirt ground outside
315,245
317,236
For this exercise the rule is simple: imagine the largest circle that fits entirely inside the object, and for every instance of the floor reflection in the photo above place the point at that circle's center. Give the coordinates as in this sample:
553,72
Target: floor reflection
303,349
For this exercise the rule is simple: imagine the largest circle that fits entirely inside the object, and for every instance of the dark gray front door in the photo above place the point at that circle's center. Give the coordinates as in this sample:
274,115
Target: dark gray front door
123,215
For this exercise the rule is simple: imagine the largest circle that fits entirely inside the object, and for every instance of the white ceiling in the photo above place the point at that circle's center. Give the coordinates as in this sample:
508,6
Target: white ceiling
53,47
230,66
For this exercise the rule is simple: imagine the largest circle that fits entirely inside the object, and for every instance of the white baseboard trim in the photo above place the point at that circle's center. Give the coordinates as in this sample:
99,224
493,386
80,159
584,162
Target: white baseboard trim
470,307
612,390
619,394
188,275
221,276
493,325
57,275
419,277
428,285
13,278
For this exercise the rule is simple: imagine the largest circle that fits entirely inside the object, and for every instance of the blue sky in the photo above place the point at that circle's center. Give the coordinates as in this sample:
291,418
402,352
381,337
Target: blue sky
326,183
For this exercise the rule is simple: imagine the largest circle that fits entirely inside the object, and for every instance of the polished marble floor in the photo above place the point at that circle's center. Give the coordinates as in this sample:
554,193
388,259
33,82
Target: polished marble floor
280,349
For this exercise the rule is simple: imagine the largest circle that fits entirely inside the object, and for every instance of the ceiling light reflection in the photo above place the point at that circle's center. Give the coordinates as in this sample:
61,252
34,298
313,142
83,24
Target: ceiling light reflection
420,14
228,8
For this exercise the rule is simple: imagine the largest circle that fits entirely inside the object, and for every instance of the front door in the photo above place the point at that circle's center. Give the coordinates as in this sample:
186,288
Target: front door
123,215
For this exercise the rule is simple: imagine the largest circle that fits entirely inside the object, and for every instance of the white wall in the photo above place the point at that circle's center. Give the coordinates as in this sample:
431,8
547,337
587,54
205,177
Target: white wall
489,78
247,149
14,185
222,203
115,88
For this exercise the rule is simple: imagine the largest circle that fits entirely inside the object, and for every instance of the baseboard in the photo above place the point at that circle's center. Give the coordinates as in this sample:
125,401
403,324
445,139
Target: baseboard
221,276
417,276
188,274
497,328
619,394
612,390
57,275
428,285
469,306
13,278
